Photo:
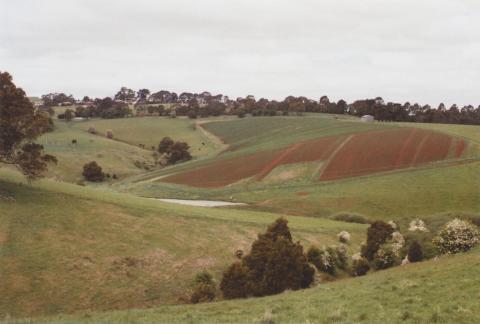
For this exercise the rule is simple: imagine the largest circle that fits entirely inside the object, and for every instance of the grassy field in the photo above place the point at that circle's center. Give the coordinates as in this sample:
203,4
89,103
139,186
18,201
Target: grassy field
66,248
149,131
470,132
118,156
115,157
443,291
396,195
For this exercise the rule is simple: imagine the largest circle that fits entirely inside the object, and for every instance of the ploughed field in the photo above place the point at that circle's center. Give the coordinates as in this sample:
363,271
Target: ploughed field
331,157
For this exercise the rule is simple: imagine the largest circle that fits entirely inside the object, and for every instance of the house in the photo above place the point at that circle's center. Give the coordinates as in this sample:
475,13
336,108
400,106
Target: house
367,118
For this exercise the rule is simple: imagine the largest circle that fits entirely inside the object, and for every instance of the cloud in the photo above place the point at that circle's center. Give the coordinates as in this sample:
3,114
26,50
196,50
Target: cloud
425,51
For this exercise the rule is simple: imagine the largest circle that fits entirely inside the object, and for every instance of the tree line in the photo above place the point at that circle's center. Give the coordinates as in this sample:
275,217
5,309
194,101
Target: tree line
205,104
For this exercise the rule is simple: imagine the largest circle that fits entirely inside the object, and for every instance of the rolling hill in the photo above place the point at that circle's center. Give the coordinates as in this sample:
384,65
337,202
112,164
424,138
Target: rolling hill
327,165
103,253
67,248
443,291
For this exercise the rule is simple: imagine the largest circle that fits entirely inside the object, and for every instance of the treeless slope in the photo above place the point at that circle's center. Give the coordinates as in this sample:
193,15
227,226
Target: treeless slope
385,150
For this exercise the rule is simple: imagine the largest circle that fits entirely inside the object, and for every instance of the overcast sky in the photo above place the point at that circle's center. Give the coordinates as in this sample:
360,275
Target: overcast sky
403,50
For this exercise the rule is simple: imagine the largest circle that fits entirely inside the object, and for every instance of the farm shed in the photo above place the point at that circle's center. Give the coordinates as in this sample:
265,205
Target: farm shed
367,118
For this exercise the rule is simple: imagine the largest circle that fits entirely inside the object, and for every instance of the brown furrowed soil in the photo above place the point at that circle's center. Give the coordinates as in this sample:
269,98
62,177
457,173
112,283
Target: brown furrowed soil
373,152
345,156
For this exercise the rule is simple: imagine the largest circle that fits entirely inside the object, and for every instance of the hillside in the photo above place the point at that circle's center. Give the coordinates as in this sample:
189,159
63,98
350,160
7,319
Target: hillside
327,165
66,248
443,291
97,251
121,156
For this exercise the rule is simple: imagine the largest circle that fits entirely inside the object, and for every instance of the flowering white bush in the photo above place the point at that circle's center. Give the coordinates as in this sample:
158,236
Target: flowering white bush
327,260
405,261
342,257
456,236
344,237
357,256
393,224
324,259
397,242
385,257
417,225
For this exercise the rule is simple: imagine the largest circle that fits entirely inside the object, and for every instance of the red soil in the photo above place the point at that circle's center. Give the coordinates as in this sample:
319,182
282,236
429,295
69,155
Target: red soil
378,151
224,172
302,193
364,153
228,171
460,148
309,151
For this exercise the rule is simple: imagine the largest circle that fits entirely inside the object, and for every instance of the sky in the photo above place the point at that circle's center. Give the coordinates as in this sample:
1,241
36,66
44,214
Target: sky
425,51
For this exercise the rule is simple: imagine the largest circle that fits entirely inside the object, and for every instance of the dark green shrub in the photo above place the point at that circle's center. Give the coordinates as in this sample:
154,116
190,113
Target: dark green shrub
415,253
165,144
174,151
178,152
378,233
429,250
93,172
350,218
204,277
205,289
203,293
274,264
360,267
235,281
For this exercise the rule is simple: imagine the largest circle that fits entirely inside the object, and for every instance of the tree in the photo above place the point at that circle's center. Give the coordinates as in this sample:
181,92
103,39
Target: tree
93,172
241,113
69,114
275,263
125,94
174,151
143,94
235,281
165,145
20,125
178,152
57,99
378,233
